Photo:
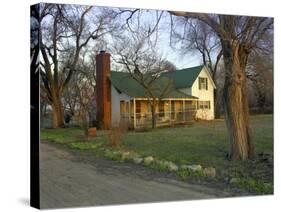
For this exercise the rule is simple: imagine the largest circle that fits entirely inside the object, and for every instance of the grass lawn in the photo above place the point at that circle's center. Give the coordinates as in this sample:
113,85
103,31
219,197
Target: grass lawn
203,143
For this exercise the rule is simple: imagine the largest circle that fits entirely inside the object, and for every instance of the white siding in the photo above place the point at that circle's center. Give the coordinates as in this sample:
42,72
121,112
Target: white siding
204,95
116,97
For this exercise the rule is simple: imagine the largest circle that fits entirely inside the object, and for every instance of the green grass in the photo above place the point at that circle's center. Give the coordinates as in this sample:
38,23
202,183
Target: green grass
72,137
203,143
185,174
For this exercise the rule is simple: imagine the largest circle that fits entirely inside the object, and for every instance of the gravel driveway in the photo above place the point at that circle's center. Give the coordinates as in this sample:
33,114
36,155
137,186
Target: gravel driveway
75,179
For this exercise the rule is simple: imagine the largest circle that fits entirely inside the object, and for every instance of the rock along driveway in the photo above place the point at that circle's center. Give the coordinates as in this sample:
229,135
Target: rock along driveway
76,179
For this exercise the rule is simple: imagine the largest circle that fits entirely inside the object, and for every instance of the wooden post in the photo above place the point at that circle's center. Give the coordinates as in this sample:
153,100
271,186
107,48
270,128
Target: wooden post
170,108
129,112
135,118
183,108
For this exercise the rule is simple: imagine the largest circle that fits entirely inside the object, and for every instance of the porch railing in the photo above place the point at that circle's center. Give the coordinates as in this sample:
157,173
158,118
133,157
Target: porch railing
167,118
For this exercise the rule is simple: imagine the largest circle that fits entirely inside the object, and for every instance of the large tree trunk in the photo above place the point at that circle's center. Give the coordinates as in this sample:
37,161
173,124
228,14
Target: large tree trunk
58,119
217,104
236,102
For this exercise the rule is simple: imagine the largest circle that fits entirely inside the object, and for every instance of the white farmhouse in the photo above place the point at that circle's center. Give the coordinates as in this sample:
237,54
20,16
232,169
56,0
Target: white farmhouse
120,98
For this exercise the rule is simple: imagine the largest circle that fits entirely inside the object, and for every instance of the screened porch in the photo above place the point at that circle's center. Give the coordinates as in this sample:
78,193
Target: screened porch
137,112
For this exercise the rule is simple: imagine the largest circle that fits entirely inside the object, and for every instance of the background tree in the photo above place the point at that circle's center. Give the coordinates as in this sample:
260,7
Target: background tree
79,97
238,35
65,30
168,65
86,99
260,75
144,65
34,35
195,36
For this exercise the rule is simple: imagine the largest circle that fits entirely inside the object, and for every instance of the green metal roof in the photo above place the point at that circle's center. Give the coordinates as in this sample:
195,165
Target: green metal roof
184,78
125,83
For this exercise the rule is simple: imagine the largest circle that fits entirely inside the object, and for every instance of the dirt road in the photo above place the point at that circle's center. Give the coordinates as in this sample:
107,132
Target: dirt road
69,179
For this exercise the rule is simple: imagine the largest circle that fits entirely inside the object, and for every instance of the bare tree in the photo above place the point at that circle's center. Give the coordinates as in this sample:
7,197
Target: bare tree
260,74
238,35
79,97
168,65
86,99
194,35
144,65
34,35
65,31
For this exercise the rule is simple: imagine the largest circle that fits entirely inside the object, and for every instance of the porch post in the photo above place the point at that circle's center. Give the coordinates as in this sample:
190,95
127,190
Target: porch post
130,111
135,118
170,108
183,106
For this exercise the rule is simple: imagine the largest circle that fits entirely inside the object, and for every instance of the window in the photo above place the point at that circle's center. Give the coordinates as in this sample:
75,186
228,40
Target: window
204,105
124,108
161,109
203,83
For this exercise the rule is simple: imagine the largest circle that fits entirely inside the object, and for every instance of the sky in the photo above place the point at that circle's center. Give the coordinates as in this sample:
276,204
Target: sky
148,20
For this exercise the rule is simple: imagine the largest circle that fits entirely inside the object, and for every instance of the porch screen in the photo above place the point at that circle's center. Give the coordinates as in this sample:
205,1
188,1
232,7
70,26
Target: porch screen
161,109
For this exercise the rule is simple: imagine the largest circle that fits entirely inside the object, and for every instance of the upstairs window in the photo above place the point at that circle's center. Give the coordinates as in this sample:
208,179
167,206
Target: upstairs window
203,83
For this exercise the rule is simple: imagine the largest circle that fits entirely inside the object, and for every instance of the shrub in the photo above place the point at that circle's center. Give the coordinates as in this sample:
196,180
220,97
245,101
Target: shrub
128,156
158,165
85,145
183,173
113,155
148,160
161,166
115,135
255,185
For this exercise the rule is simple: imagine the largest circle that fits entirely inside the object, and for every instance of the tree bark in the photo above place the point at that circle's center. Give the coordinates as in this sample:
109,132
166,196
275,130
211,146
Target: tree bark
58,119
235,101
217,104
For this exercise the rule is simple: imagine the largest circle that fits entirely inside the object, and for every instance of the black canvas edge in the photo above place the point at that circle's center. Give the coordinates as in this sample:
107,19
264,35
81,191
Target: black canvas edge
34,125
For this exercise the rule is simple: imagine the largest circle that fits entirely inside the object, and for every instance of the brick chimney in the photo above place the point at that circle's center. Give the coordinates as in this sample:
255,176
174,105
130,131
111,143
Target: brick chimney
103,90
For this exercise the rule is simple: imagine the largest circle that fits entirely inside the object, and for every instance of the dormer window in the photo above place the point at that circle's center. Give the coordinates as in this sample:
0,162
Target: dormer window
203,83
